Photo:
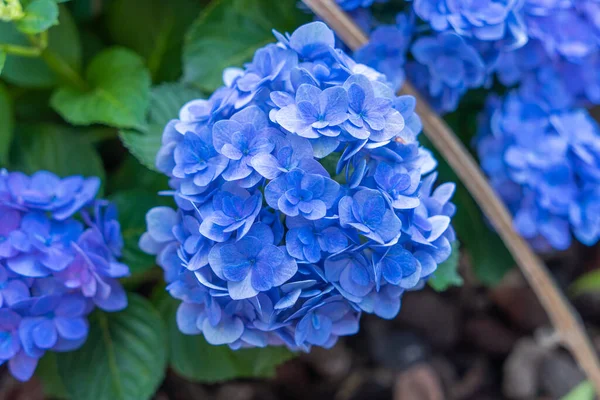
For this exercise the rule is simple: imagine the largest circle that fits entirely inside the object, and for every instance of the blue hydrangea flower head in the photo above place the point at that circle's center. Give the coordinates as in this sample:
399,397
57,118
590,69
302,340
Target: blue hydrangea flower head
544,164
486,20
59,250
303,198
387,49
563,28
446,67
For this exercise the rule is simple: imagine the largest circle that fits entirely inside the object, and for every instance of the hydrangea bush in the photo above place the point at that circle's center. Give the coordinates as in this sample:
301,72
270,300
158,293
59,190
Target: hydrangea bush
282,200
59,250
304,199
550,51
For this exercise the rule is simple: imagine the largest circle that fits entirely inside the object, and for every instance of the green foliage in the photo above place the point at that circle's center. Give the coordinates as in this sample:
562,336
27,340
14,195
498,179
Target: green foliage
228,33
446,274
133,205
165,102
154,29
132,174
47,372
490,258
39,16
57,149
2,60
63,52
583,391
186,353
586,283
117,92
123,358
7,125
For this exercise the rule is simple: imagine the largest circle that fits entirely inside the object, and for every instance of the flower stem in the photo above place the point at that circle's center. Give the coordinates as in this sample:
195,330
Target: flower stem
64,71
22,51
57,64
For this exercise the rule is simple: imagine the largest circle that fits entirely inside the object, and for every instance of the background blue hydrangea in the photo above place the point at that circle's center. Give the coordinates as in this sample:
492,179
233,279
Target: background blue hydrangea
549,53
303,200
545,165
59,250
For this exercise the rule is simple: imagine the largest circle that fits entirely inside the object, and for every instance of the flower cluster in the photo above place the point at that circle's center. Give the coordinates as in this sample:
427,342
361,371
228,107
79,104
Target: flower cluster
545,164
303,199
549,50
545,46
58,260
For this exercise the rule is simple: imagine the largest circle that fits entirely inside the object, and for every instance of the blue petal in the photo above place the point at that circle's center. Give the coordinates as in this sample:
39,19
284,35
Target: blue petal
22,366
71,328
44,334
160,222
288,300
187,317
312,40
266,165
243,289
227,331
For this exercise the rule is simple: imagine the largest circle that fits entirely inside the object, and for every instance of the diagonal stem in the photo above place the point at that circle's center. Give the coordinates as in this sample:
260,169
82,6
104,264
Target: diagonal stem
564,318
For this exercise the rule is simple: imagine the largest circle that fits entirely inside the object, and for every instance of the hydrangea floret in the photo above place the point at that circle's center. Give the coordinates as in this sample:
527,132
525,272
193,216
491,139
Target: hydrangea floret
304,199
59,250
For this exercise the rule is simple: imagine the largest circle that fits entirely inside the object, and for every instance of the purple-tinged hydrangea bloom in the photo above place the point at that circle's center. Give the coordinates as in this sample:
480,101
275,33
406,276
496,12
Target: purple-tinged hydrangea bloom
323,209
59,250
447,66
545,164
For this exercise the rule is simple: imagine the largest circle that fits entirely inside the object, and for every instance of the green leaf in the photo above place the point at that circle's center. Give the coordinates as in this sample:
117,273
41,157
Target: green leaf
133,206
47,372
446,274
165,102
123,358
63,47
228,33
2,60
194,359
154,29
132,174
7,124
583,391
489,256
118,93
57,149
39,16
586,283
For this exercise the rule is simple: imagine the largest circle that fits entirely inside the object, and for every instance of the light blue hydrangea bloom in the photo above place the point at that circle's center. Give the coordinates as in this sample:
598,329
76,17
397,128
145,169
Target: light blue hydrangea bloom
303,200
